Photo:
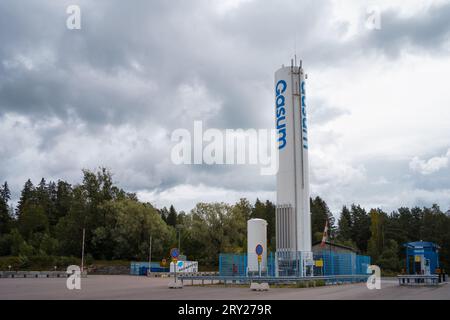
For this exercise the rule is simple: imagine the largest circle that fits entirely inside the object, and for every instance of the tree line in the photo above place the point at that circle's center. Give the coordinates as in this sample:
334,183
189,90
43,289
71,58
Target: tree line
49,219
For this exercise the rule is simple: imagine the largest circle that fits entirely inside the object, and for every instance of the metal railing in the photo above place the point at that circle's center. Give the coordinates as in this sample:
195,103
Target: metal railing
336,279
37,274
418,279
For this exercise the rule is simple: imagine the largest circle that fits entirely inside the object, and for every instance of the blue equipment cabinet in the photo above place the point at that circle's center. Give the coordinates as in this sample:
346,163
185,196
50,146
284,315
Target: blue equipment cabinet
421,257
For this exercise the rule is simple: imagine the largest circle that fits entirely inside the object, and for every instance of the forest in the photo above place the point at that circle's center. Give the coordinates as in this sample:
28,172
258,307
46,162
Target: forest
46,226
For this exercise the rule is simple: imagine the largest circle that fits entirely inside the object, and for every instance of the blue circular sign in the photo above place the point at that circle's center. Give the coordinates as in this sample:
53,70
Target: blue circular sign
259,249
174,253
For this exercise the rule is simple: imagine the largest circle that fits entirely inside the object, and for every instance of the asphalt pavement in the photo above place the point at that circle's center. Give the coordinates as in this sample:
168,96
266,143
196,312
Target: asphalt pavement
133,287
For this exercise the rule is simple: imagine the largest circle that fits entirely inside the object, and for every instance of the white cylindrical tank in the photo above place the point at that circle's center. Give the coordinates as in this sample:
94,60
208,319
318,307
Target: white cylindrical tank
256,234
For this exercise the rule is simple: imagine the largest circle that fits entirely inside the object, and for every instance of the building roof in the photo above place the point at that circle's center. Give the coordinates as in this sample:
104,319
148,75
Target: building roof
420,244
336,245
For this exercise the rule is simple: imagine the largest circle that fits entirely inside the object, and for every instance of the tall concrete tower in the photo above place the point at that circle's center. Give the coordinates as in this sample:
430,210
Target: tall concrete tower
293,218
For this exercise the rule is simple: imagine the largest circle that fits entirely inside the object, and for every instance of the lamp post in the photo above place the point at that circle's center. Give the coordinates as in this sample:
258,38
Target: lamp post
82,251
179,227
150,256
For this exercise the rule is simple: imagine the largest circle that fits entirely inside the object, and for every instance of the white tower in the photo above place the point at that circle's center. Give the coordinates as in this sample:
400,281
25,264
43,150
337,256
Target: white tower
293,218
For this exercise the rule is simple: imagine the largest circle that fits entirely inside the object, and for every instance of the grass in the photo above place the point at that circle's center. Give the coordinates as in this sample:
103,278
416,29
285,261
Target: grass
45,263
301,284
36,263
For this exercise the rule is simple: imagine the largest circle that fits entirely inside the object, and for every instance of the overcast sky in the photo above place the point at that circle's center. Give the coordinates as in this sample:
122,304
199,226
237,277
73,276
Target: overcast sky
112,93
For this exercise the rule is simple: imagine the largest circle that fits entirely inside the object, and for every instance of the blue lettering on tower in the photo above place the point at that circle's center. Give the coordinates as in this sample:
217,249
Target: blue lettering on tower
280,113
303,117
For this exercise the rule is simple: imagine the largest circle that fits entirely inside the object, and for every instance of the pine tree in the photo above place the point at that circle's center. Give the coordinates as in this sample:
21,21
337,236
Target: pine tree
64,199
164,213
259,210
51,208
5,217
360,228
5,193
345,225
320,214
271,220
172,217
376,241
26,196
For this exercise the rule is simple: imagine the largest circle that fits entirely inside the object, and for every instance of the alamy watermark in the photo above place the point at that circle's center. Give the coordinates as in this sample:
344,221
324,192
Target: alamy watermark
226,147
73,21
374,281
373,18
74,280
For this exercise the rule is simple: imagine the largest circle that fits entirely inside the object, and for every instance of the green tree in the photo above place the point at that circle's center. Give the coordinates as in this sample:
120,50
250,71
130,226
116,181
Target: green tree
345,225
17,242
164,213
172,217
209,232
27,195
63,201
135,223
5,217
320,214
271,227
360,227
376,241
388,260
32,220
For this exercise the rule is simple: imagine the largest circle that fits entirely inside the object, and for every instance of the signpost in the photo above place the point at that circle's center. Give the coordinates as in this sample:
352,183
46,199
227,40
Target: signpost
149,271
319,264
174,254
259,251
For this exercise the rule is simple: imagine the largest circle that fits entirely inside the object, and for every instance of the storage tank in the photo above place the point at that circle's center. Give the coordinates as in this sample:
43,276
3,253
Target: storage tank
256,234
293,217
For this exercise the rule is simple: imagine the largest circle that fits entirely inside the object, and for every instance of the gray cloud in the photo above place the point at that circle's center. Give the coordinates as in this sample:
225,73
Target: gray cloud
428,31
111,93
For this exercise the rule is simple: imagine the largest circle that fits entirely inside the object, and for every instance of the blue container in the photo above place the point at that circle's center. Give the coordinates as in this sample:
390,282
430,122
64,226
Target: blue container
141,268
421,255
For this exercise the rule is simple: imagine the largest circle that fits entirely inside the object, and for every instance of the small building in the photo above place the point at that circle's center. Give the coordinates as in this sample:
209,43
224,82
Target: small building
336,259
332,247
422,257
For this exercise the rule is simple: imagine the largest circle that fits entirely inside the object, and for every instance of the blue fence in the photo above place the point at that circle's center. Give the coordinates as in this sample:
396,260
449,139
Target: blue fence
236,265
141,268
333,264
341,264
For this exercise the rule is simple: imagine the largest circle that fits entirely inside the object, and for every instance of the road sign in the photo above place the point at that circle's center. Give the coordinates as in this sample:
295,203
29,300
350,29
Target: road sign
174,253
319,263
259,259
259,249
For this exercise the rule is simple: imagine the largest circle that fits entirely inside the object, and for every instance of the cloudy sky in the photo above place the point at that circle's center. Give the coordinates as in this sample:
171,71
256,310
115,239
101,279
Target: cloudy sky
112,93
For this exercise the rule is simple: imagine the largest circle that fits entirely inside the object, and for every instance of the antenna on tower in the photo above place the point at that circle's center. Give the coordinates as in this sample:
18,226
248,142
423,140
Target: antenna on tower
295,46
